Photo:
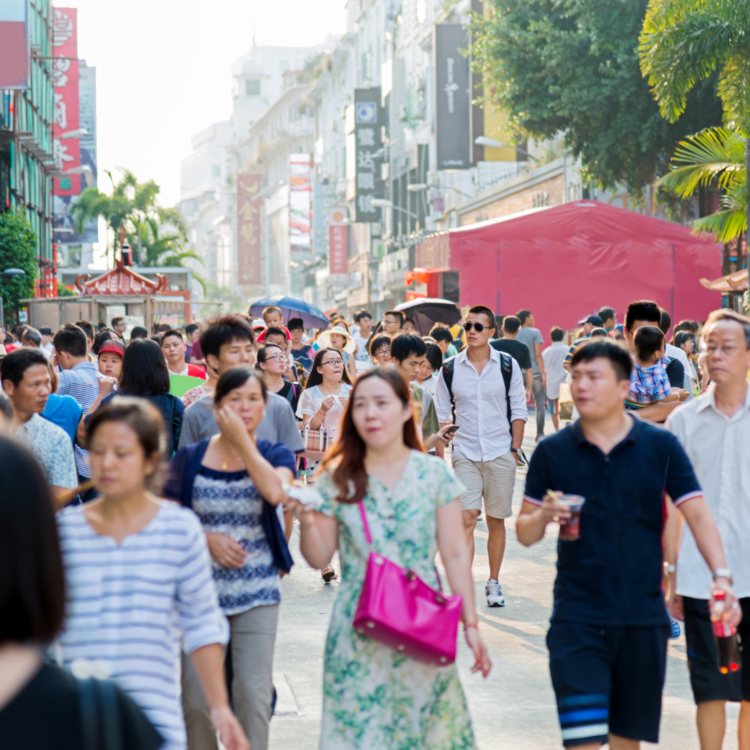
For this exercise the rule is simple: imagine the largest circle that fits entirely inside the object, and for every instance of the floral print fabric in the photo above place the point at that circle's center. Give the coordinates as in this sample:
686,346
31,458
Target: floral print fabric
373,696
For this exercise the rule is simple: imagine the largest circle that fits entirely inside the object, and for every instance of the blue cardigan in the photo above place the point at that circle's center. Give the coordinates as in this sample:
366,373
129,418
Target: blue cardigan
182,472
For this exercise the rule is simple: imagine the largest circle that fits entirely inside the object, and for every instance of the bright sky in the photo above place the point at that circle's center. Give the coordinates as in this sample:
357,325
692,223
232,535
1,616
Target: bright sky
164,70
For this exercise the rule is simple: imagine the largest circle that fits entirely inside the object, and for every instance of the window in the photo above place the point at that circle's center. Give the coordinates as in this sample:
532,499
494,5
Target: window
252,88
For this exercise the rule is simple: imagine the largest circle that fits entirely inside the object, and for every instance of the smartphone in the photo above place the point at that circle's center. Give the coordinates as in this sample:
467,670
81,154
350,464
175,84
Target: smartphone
451,430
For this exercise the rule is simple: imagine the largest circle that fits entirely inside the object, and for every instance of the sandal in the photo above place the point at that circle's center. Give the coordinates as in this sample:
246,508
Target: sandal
329,574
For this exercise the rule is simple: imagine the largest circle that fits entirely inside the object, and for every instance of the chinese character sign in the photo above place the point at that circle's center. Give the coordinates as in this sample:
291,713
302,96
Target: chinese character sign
300,202
65,112
369,153
15,53
338,247
248,230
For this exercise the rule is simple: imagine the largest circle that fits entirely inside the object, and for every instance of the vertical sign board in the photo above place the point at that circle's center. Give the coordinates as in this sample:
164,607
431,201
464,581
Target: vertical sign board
300,202
369,153
15,50
453,98
338,248
248,230
65,113
324,199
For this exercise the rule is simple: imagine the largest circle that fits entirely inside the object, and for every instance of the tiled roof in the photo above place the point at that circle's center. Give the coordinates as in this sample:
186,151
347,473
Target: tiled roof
120,282
733,282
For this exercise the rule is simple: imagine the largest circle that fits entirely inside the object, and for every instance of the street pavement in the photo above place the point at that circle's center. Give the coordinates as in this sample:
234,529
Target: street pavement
514,708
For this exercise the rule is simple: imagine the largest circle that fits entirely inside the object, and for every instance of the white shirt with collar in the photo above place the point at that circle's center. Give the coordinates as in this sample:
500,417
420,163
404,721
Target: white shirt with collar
719,448
481,408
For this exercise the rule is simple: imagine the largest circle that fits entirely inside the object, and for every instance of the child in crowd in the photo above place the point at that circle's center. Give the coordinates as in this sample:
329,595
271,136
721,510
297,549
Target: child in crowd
556,374
649,381
273,318
110,358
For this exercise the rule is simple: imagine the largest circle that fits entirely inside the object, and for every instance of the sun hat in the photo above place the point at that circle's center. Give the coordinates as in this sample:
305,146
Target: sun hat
324,340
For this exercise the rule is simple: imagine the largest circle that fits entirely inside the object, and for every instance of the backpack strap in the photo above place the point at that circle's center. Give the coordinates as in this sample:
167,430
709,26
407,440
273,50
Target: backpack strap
506,367
448,379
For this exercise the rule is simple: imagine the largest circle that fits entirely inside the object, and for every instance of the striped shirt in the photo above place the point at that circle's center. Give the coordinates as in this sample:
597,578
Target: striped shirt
127,604
82,383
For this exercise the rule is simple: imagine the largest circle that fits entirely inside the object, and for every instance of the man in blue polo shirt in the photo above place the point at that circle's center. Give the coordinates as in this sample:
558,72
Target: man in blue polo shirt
609,627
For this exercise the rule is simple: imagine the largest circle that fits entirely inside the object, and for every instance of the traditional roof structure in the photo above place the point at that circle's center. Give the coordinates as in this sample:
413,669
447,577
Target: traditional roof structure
120,282
733,282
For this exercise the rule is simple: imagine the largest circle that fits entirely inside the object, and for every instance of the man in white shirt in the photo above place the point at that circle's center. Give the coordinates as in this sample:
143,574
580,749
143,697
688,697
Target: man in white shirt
714,430
487,444
363,319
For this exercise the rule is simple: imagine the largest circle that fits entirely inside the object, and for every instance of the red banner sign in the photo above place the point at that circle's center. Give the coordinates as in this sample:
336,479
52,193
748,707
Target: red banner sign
248,230
338,247
65,114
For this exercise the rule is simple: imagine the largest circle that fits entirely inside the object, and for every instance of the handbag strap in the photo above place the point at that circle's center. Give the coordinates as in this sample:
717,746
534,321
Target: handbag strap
368,537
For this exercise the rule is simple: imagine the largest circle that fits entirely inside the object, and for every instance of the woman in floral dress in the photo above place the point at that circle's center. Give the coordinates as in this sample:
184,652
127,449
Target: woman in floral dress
375,697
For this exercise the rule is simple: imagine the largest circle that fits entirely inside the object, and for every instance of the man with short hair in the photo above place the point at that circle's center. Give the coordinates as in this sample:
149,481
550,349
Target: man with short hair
80,379
518,350
25,378
229,342
88,329
714,430
393,321
138,332
609,628
46,334
33,339
119,325
173,348
444,339
362,357
487,444
192,334
302,353
408,354
533,339
608,318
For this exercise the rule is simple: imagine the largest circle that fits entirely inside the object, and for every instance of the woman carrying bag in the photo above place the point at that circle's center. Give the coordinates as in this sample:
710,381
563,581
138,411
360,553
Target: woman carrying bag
375,695
233,483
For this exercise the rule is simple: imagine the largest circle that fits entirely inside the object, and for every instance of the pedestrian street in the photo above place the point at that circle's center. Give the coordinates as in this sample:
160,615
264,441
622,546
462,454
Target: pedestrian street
514,708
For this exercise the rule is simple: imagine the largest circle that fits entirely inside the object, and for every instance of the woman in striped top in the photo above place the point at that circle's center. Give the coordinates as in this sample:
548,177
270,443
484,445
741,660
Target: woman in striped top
138,574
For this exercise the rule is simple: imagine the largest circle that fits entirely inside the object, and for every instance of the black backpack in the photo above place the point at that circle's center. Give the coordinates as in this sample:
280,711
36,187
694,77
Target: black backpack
506,367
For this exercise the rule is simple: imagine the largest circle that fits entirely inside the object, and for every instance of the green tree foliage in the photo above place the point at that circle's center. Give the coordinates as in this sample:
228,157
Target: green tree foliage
571,67
18,244
684,43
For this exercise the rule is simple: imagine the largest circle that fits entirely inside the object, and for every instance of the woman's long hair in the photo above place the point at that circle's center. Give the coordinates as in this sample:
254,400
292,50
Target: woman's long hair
315,378
144,369
347,455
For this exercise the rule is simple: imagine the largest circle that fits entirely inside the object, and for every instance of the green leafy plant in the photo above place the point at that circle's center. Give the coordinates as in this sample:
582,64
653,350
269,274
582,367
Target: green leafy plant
572,67
18,249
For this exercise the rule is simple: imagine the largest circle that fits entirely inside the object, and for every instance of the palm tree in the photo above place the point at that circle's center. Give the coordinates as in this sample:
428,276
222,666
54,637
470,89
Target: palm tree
684,42
714,157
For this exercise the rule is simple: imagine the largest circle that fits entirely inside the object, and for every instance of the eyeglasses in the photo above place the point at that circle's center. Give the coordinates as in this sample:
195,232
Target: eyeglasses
478,327
333,362
277,358
383,353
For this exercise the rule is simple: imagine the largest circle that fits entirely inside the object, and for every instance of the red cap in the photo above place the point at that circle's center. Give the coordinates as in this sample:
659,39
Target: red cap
112,347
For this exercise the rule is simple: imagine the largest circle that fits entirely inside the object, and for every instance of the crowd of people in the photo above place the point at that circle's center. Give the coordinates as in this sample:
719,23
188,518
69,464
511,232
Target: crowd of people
150,495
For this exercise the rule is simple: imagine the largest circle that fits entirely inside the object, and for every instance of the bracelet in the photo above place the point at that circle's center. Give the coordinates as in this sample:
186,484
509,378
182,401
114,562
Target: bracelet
471,624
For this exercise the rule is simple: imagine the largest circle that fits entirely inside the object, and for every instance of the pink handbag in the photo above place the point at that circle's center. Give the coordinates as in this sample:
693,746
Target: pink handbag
398,609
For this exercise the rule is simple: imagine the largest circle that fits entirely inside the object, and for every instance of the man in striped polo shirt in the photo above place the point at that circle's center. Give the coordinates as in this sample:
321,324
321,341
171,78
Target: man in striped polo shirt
80,379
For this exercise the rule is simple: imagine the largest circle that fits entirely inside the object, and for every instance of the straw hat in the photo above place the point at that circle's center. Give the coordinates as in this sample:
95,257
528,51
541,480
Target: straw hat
324,340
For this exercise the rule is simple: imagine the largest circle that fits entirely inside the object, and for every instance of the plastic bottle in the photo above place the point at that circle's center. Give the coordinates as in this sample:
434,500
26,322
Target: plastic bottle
726,640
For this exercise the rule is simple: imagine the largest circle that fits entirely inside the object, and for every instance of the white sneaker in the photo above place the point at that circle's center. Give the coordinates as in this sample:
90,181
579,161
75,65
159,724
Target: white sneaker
494,593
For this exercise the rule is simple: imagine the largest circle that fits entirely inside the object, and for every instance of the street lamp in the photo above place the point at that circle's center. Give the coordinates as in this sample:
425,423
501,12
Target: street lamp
483,140
10,273
383,203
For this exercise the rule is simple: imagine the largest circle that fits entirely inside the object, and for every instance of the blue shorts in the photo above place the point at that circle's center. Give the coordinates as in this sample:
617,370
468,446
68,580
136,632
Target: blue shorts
607,680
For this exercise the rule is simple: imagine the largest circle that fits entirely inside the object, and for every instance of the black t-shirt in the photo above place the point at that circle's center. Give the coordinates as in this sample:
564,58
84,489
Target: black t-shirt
611,576
291,392
46,715
517,349
676,373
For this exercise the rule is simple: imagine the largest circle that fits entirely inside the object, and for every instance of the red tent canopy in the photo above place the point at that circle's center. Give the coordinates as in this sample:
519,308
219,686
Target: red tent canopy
564,263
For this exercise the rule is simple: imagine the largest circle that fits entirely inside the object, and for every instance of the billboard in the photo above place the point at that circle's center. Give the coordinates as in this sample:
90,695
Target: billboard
338,243
15,52
452,97
248,230
300,202
65,113
369,152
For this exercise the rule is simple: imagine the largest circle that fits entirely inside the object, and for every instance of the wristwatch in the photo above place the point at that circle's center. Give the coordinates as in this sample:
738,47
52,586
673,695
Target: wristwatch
669,568
515,450
723,573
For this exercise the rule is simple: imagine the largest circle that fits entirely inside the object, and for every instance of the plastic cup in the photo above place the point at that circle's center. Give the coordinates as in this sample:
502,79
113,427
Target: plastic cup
570,530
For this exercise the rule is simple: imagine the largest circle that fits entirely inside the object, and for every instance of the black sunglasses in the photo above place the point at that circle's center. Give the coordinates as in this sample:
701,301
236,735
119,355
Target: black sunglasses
478,327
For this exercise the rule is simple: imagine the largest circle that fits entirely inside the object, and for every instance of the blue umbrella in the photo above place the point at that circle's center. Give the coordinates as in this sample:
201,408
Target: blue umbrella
292,307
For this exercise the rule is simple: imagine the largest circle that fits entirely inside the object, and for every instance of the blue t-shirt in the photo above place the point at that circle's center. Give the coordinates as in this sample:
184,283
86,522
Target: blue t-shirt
65,412
612,575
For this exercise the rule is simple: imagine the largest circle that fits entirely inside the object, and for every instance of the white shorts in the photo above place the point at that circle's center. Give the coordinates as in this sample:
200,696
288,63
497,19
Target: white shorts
494,480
